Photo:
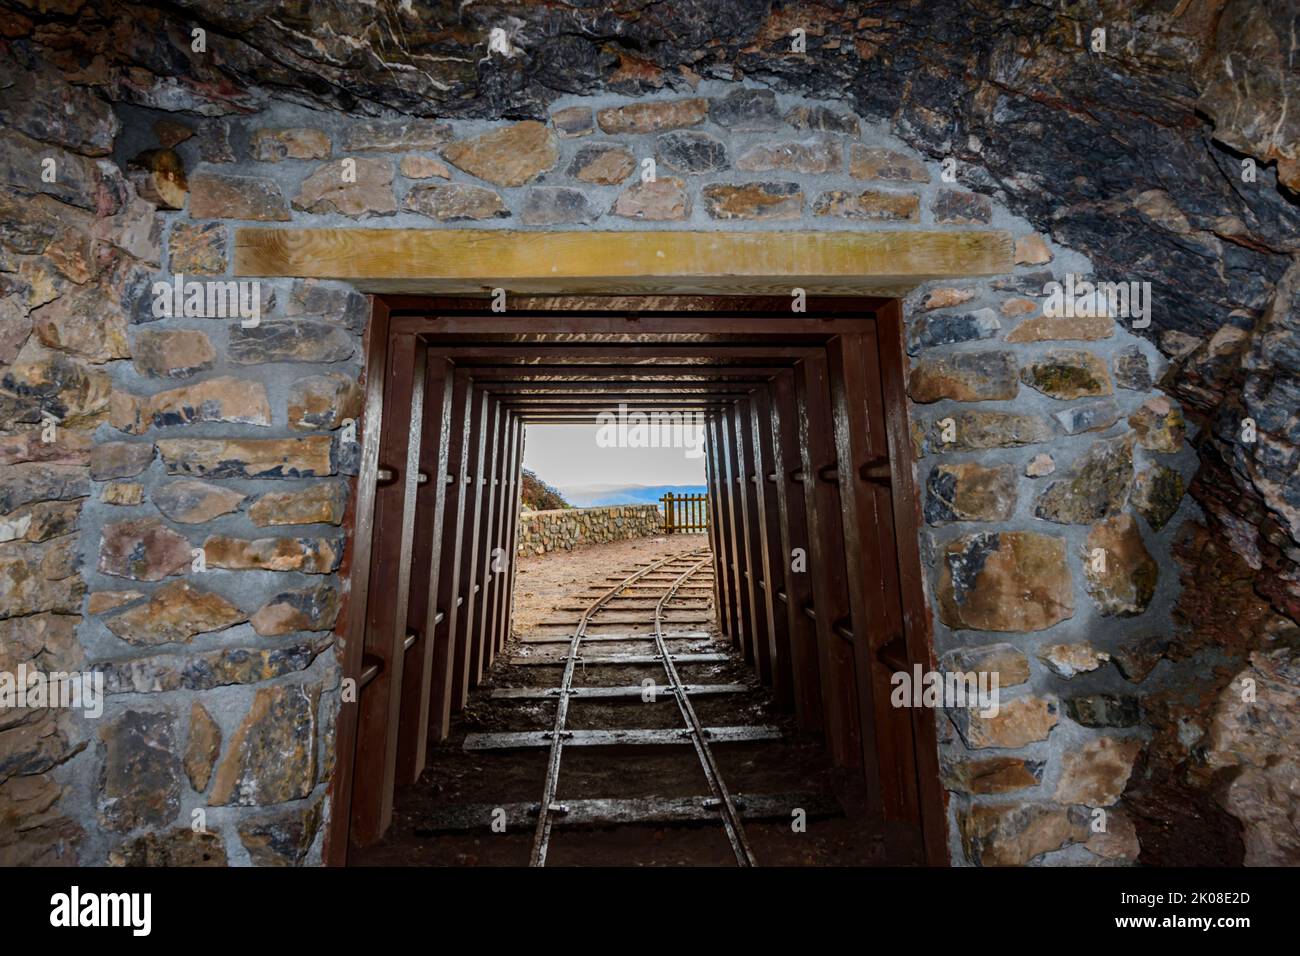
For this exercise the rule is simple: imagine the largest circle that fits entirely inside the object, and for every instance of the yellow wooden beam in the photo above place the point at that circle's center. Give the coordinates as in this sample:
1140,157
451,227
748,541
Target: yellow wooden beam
470,260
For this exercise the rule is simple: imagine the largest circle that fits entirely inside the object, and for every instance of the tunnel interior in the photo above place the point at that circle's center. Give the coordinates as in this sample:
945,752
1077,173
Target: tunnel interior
811,544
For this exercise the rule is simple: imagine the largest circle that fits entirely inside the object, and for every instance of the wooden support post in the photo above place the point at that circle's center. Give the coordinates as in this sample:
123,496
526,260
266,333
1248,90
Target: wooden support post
483,568
445,673
473,481
760,639
380,700
717,542
905,509
490,555
742,635
521,431
769,542
510,500
426,566
499,557
861,448
353,633
826,563
793,520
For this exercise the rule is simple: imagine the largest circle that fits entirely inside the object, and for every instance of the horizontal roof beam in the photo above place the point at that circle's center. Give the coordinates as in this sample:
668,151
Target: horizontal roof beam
886,262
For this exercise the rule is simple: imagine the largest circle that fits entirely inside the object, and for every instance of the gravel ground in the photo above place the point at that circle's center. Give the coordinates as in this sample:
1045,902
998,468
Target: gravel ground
542,582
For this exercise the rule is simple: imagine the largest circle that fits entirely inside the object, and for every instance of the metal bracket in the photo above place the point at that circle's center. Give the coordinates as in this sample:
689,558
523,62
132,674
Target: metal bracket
877,471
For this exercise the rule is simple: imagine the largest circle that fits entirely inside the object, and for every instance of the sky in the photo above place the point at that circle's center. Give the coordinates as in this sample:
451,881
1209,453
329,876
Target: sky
569,456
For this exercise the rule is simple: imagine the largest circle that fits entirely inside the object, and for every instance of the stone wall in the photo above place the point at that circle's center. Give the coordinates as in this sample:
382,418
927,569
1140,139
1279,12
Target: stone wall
139,449
1037,439
567,528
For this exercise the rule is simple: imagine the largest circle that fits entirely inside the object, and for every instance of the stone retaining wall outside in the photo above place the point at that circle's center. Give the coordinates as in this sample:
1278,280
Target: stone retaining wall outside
567,528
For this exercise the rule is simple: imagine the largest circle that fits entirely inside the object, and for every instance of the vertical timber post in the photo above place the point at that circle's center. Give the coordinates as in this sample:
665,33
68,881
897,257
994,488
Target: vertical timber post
353,636
426,566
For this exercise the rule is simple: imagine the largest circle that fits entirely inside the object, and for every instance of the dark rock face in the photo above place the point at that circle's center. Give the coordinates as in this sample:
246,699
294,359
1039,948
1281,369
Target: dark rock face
690,151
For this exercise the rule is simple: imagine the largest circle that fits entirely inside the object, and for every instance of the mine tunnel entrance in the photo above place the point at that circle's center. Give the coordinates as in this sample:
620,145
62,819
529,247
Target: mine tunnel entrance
808,565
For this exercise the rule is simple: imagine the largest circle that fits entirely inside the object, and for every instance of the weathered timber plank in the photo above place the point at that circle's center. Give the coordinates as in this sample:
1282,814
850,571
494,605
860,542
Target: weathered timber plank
454,260
532,739
615,638
626,691
463,817
619,659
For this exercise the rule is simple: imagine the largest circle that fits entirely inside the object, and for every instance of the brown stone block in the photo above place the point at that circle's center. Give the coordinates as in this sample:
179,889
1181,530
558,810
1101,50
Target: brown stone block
658,201
220,196
272,754
320,503
142,549
351,187
307,457
1008,581
964,377
867,162
1095,774
1017,723
195,502
753,200
174,353
1014,834
870,204
308,555
198,248
510,156
140,772
1067,374
174,614
992,775
1120,573
203,747
653,117
451,202
274,145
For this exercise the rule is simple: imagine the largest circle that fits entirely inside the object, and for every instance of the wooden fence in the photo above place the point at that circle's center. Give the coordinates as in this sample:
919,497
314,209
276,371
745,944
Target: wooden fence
685,513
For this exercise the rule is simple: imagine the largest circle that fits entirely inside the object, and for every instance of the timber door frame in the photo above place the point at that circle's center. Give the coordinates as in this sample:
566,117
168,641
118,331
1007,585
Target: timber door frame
829,495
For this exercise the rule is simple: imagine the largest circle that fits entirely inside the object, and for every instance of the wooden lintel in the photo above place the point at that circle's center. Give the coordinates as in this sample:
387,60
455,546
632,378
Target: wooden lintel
687,262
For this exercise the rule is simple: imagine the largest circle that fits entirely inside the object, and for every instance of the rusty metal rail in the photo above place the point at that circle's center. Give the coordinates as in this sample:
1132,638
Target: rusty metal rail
721,800
547,808
731,821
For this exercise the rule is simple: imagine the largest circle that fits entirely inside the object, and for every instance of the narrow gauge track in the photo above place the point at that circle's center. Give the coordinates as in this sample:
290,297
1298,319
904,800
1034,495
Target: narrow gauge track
548,808
628,782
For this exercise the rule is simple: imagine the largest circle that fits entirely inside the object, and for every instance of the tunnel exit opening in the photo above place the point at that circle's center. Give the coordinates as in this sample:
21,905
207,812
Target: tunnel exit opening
812,532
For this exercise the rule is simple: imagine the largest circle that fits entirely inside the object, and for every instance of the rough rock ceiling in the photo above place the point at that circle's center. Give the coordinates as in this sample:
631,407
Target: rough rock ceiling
1133,155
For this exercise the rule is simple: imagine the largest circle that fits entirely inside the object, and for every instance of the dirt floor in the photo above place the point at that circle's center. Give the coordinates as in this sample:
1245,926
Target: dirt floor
478,807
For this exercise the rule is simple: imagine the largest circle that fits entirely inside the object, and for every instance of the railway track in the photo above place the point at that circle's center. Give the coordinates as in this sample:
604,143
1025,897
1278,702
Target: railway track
547,809
641,608
612,769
